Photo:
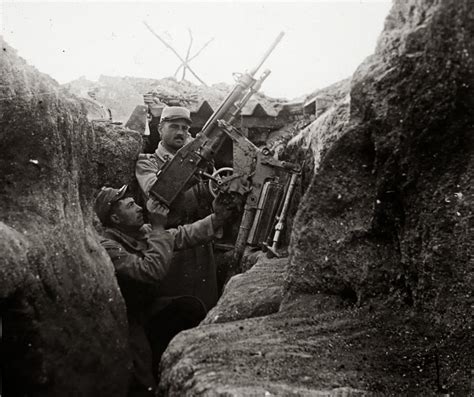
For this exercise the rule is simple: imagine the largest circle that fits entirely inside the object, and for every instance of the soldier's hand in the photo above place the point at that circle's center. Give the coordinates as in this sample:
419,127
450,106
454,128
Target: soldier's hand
225,206
158,213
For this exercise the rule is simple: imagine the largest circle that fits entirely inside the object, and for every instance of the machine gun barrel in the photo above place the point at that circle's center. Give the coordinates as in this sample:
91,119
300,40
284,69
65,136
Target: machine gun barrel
267,54
237,98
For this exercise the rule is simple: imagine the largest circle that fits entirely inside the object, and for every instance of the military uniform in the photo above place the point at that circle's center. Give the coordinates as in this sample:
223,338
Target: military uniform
193,271
142,260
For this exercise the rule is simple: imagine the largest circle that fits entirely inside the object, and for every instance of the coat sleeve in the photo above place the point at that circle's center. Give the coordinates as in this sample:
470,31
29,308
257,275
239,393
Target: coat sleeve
199,232
145,171
150,269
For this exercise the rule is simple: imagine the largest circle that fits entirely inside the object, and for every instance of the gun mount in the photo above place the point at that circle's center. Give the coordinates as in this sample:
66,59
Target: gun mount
271,184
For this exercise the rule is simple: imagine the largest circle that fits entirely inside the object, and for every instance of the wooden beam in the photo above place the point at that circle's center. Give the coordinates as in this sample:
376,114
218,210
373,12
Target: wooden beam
174,52
187,54
194,56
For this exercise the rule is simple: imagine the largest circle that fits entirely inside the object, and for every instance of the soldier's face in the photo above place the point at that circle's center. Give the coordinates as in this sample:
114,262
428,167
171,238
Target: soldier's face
173,134
127,214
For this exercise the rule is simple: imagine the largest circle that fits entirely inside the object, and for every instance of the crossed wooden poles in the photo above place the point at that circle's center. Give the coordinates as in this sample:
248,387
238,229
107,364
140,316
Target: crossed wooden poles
184,62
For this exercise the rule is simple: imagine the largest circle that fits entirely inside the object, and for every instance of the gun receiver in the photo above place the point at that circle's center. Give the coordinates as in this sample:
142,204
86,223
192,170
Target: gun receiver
177,174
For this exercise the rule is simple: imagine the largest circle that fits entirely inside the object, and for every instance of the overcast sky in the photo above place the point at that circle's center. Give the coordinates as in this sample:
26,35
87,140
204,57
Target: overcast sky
324,41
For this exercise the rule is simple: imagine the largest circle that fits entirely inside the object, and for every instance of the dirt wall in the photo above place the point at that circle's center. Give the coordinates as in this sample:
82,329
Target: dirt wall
389,209
64,322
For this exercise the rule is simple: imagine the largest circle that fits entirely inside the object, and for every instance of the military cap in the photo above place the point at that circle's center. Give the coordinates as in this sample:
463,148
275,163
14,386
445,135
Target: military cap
170,113
105,199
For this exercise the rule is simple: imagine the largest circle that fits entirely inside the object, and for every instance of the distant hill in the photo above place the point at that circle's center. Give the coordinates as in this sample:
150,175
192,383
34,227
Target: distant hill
116,93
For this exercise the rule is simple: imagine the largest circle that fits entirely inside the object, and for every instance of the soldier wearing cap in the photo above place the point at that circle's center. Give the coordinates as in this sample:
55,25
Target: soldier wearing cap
142,257
194,270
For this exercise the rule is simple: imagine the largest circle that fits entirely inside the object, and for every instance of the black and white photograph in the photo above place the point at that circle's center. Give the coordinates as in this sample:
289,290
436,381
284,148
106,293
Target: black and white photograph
236,198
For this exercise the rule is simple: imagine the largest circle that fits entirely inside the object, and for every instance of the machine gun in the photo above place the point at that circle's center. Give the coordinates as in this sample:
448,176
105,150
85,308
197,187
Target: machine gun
271,181
195,157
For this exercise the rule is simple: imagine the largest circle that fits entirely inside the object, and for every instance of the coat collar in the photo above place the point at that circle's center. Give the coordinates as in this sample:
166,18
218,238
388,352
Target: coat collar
162,153
136,242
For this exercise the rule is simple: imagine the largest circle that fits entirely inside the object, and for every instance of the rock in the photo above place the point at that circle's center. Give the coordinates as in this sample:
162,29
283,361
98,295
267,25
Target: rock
407,147
115,153
262,287
65,329
315,346
378,289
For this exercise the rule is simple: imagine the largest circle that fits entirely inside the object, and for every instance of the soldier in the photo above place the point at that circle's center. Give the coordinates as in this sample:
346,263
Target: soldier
194,270
142,257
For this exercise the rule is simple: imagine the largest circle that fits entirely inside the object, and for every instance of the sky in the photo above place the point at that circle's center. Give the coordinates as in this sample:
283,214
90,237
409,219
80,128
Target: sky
324,41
